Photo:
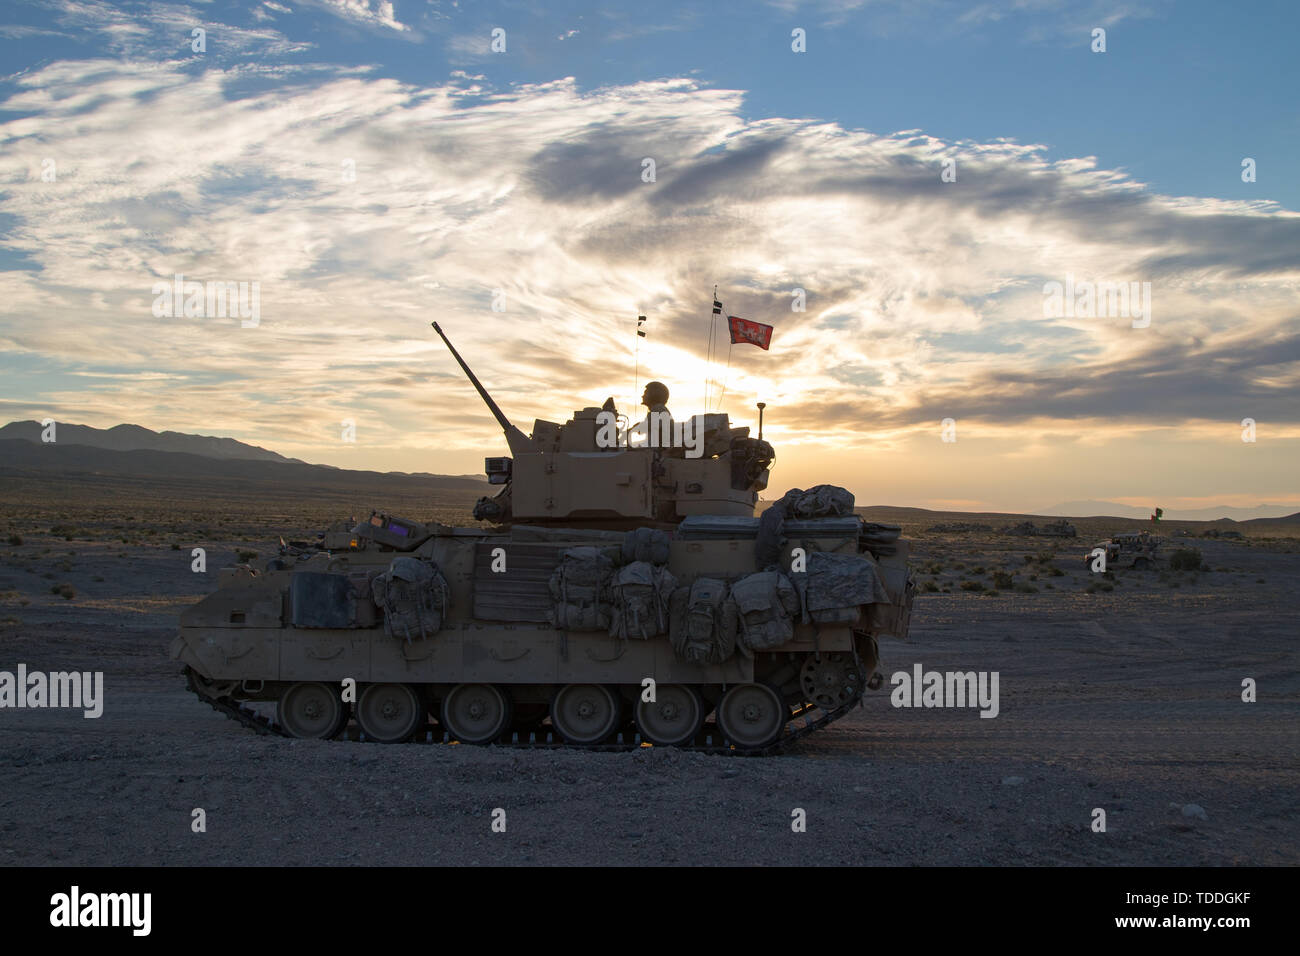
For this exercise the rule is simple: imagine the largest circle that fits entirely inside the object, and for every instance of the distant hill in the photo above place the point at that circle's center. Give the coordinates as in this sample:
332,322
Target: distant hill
1282,522
82,450
136,438
1087,509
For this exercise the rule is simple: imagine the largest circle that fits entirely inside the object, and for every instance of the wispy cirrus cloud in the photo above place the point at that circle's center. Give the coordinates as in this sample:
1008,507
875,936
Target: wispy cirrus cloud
371,13
145,28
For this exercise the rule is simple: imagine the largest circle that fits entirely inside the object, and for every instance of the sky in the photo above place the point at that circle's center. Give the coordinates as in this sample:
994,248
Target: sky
903,190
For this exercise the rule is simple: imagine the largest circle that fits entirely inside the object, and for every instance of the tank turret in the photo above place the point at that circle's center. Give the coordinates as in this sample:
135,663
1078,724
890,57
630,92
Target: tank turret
590,472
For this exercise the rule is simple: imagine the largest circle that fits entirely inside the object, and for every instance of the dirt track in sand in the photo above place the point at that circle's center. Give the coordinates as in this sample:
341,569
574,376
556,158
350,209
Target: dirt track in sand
1126,700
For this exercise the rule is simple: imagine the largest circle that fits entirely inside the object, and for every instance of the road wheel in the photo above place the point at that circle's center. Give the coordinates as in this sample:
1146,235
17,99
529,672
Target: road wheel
752,716
674,718
390,713
312,711
475,713
585,713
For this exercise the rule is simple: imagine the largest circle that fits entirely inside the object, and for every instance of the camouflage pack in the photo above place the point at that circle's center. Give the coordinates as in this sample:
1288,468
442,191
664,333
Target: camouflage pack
414,597
640,601
766,605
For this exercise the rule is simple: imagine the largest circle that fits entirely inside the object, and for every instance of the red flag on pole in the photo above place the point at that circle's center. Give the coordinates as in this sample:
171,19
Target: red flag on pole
755,333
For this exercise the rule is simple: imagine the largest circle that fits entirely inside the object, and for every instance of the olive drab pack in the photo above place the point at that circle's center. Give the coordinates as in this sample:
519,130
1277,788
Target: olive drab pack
703,627
645,544
822,501
836,586
640,606
414,597
580,589
766,606
819,501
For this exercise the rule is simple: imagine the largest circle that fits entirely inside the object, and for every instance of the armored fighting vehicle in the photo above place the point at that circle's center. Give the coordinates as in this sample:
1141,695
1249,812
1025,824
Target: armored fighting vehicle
616,594
1134,549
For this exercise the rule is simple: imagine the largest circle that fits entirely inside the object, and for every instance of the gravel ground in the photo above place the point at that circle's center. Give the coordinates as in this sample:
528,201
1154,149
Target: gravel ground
1129,701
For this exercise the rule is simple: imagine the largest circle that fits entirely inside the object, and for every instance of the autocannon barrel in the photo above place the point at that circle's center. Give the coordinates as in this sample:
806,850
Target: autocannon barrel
517,440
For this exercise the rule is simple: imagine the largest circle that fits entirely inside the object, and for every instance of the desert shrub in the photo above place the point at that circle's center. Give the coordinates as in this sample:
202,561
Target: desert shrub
1027,589
978,570
246,556
1003,579
1185,559
15,540
971,586
64,589
1096,586
930,586
175,547
1056,572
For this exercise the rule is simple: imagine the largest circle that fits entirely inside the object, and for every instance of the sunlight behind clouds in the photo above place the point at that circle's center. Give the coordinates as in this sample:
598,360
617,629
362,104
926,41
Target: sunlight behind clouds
365,207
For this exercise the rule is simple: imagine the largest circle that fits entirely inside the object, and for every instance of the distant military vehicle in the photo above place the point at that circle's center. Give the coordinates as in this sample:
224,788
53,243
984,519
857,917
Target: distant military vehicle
1058,529
623,595
1137,549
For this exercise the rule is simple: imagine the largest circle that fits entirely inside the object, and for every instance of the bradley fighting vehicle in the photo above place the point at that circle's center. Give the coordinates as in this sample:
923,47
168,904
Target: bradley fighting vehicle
627,593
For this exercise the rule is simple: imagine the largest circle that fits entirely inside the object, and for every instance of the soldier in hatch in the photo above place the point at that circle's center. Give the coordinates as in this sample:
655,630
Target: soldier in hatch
656,429
655,398
658,423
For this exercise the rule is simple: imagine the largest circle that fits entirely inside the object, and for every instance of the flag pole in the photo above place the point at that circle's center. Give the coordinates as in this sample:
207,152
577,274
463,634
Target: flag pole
708,363
636,358
727,375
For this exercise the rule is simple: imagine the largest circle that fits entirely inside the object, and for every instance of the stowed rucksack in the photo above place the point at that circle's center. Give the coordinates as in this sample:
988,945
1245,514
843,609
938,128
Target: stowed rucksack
646,544
414,596
641,595
703,622
837,587
580,587
766,605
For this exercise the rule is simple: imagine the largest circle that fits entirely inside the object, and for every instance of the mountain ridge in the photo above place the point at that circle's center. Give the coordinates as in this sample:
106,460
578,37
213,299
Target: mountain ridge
130,437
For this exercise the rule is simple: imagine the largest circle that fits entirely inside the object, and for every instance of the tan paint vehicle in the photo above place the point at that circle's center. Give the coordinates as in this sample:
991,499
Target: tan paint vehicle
1134,549
626,595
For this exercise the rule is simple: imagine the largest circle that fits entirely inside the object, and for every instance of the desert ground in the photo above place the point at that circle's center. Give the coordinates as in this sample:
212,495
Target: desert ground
1122,693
